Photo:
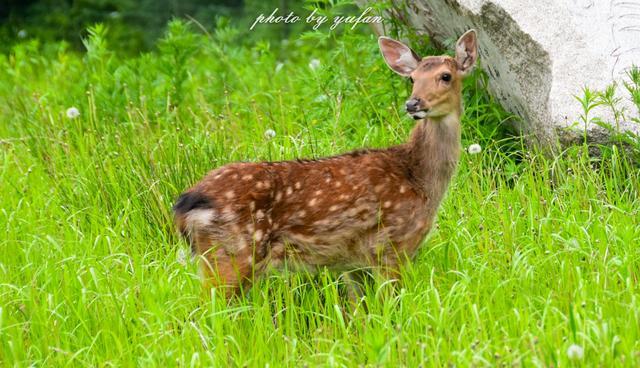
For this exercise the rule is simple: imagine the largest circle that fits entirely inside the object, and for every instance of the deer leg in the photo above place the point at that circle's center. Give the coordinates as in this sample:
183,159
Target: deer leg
388,272
231,274
391,273
356,282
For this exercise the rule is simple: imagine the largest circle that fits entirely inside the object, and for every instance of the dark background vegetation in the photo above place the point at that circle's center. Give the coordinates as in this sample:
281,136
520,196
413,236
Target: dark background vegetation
133,25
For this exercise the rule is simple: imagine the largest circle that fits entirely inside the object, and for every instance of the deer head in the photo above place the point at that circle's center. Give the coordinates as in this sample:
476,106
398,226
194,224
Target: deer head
437,80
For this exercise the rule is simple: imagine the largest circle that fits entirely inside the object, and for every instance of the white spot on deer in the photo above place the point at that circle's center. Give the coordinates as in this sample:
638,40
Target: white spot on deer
327,180
227,214
259,214
313,202
338,184
334,207
298,185
200,217
296,238
277,250
386,204
235,176
260,185
343,196
318,192
247,177
252,206
323,222
241,245
250,228
278,196
302,213
289,190
378,188
352,211
343,171
257,236
403,189
230,194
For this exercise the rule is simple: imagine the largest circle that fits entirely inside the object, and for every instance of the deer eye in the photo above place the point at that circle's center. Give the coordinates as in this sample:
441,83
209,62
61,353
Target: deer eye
446,77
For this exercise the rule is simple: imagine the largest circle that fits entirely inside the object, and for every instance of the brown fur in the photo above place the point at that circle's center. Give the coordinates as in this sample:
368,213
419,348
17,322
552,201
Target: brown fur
360,209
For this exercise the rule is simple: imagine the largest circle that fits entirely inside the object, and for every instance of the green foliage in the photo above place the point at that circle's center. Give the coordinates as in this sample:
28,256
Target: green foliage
609,99
633,86
531,254
177,48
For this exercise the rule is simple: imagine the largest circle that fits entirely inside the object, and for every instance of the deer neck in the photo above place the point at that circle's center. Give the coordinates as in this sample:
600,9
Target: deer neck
434,150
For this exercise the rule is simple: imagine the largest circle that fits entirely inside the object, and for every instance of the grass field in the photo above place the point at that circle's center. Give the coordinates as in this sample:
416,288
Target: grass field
531,255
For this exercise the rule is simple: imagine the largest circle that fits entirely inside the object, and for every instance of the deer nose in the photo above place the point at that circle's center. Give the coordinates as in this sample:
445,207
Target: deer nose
412,105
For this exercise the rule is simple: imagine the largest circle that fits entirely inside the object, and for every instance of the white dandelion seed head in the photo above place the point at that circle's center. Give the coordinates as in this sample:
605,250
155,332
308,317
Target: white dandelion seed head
73,112
181,256
269,133
279,66
575,352
22,34
474,149
320,98
314,64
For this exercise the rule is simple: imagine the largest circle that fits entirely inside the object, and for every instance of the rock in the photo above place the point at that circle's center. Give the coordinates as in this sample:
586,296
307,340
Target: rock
539,55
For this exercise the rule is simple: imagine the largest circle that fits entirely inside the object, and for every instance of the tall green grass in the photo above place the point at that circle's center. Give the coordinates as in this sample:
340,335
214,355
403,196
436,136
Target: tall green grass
531,254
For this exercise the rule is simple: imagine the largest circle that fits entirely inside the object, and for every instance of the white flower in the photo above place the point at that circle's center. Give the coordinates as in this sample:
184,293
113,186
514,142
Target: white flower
314,64
181,256
474,149
73,112
269,133
279,66
575,352
320,98
22,34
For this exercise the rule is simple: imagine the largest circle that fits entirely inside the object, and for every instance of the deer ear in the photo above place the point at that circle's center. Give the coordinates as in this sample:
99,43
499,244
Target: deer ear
467,51
400,58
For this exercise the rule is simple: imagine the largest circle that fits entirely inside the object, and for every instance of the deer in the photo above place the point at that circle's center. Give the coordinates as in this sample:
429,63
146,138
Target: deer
370,208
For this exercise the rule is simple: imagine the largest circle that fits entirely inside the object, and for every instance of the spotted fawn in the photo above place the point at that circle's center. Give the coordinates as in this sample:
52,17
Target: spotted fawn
369,208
